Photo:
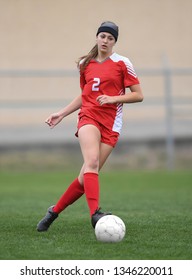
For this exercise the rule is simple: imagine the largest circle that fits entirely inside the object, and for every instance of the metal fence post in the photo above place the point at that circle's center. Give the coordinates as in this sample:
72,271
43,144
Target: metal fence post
169,115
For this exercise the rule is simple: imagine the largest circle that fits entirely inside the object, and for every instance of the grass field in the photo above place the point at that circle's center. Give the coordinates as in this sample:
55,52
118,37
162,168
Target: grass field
155,206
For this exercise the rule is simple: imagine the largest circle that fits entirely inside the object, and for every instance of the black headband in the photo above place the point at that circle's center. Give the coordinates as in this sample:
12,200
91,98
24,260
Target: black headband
108,29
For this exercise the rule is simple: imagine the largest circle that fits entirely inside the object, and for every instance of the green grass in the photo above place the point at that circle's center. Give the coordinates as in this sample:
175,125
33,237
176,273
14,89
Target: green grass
155,206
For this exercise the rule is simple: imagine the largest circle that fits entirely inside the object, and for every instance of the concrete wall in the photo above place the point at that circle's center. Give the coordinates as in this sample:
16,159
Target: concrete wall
52,34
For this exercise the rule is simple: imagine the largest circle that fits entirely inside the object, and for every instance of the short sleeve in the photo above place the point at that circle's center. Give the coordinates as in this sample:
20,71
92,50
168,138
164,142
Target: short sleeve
129,75
82,76
82,80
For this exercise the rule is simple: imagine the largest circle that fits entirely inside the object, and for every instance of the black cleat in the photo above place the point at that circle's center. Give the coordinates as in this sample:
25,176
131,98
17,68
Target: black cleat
45,223
98,215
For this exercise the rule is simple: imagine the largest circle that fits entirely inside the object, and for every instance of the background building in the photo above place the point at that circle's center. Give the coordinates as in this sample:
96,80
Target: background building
40,43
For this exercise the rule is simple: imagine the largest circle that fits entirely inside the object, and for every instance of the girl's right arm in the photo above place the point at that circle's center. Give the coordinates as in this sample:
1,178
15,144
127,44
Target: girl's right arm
55,118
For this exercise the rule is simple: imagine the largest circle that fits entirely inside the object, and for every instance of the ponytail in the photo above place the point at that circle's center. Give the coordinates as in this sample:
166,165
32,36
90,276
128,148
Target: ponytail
84,60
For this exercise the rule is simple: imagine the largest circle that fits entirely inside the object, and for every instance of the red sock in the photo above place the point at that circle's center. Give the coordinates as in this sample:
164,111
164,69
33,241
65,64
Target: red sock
91,187
74,192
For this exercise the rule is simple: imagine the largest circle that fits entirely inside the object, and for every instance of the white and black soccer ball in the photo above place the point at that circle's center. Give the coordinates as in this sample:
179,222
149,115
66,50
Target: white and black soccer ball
110,228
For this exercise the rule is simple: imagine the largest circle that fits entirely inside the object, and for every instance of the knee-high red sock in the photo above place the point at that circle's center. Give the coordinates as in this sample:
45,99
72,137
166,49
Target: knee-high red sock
91,187
74,192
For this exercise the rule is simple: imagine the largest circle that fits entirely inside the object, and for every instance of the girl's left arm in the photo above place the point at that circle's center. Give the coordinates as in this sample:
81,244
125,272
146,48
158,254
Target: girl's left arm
135,95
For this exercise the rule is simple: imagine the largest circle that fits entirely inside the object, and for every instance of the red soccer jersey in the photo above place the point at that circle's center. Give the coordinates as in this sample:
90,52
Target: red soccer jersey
109,77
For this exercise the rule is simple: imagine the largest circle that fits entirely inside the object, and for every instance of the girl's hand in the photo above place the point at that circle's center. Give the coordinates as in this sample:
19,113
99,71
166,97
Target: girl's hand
54,119
105,99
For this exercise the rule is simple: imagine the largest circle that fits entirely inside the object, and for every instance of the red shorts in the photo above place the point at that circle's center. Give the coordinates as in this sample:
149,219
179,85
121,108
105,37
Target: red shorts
107,136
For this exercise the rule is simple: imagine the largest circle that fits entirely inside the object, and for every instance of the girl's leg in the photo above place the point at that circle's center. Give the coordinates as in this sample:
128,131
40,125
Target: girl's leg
95,154
76,188
74,191
89,138
105,151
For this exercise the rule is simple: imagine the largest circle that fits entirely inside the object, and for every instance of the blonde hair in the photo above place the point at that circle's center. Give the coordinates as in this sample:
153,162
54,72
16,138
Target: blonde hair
84,60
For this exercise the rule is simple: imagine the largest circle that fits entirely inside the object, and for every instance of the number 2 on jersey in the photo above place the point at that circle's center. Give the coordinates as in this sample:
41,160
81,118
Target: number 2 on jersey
96,83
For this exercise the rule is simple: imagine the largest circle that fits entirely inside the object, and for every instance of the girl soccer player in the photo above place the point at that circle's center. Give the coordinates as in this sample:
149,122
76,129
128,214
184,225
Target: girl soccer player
104,78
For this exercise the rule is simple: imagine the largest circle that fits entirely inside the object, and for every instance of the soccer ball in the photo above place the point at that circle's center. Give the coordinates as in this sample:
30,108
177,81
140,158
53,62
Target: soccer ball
110,228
